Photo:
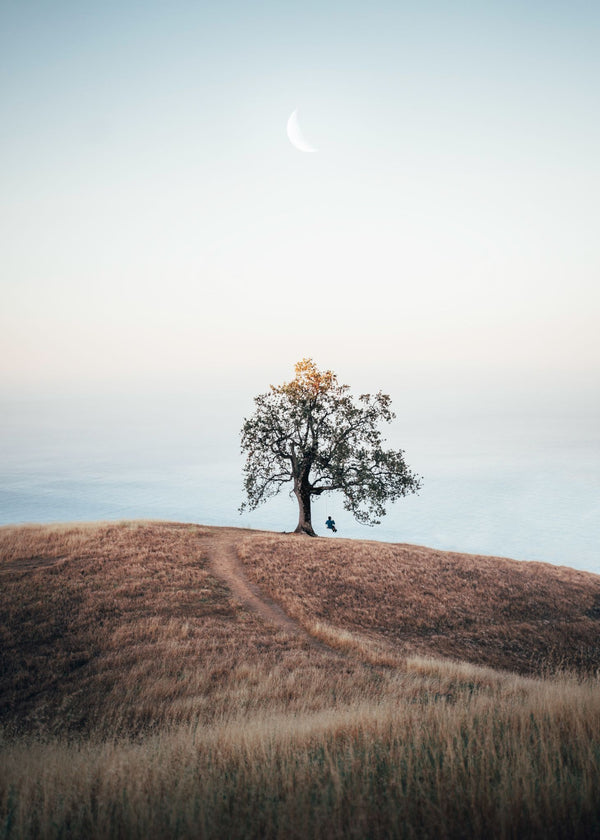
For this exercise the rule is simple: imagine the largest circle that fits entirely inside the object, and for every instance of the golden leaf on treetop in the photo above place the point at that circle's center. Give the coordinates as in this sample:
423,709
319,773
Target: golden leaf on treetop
309,381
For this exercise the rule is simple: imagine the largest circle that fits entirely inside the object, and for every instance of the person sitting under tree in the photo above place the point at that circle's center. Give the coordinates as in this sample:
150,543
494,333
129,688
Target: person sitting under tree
331,524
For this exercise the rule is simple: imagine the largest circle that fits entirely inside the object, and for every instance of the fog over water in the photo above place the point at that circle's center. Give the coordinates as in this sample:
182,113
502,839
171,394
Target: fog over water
513,485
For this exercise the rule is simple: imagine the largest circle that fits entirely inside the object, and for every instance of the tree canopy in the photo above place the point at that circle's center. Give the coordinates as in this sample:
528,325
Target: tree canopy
312,433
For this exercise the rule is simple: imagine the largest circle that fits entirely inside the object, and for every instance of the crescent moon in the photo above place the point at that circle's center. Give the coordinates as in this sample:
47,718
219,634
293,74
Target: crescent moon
295,136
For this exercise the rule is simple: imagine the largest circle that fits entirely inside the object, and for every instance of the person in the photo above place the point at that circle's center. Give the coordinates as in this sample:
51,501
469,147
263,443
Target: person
331,524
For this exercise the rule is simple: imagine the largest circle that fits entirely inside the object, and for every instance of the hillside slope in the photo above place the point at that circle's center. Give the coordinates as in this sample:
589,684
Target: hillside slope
520,616
126,627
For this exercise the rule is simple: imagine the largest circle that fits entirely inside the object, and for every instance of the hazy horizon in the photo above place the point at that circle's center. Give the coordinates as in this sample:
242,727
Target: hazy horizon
508,484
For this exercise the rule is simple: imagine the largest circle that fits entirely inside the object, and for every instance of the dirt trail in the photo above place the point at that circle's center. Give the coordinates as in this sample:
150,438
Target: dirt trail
226,565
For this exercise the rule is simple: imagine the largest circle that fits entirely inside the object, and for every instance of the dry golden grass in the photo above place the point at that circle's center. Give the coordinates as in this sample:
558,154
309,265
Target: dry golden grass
124,628
524,765
485,610
140,698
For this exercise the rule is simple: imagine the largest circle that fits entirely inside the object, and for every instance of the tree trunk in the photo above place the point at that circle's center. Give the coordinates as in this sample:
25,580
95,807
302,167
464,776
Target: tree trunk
302,491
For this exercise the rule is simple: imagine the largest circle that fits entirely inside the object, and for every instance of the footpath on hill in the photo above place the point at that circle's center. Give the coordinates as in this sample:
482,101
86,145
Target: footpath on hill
226,565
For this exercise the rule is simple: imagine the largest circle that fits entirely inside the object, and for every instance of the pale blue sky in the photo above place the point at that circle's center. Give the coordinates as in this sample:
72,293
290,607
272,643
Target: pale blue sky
158,225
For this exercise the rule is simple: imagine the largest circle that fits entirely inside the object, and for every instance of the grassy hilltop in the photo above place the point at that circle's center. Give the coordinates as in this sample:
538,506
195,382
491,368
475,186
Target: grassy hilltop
169,680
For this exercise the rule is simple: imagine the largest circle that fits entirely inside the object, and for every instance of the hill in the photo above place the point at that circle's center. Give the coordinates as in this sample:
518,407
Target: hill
84,605
186,681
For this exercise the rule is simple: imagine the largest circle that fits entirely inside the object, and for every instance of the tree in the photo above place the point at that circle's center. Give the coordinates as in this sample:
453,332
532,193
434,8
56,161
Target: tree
311,432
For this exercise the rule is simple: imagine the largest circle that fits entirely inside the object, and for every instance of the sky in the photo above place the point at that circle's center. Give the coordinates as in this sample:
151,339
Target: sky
161,234
158,225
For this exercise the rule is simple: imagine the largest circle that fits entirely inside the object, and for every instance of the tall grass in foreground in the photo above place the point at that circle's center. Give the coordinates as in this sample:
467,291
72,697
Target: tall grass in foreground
520,764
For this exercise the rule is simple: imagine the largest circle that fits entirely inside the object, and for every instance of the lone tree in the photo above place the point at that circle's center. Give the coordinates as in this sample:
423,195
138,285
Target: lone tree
312,432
